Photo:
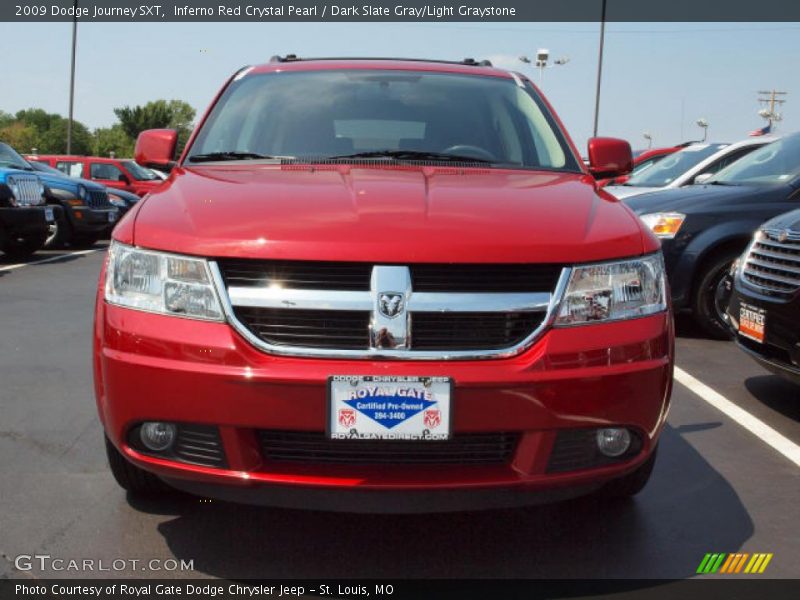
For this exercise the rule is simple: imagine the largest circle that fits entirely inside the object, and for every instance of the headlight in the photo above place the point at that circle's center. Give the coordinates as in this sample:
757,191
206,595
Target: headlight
116,201
82,194
664,225
162,283
613,291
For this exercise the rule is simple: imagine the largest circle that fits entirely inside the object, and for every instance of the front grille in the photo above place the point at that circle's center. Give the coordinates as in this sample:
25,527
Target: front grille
462,449
98,199
478,330
308,328
28,190
448,310
774,265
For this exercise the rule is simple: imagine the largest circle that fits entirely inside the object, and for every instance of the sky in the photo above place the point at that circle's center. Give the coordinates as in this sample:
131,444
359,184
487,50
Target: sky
657,77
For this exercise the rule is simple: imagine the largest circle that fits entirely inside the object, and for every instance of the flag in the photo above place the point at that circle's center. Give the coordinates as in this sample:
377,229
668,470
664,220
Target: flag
762,131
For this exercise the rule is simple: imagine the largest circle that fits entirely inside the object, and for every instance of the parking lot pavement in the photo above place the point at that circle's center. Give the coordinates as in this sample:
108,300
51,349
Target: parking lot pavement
717,487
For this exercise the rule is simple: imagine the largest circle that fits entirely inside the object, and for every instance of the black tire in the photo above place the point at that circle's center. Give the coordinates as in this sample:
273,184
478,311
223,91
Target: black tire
20,249
130,477
708,302
631,484
84,240
60,231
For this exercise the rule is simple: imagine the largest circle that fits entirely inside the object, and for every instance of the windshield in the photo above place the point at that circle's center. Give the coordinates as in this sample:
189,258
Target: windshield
671,167
777,162
139,173
10,159
324,114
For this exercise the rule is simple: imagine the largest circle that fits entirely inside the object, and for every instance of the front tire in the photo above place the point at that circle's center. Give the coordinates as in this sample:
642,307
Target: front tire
708,303
60,231
130,477
20,249
84,241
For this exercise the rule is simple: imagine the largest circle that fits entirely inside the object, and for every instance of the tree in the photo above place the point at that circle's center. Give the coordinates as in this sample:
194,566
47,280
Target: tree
47,132
158,114
112,139
23,138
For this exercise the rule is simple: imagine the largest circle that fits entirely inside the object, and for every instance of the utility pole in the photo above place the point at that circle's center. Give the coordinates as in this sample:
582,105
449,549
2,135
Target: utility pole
599,67
770,101
72,77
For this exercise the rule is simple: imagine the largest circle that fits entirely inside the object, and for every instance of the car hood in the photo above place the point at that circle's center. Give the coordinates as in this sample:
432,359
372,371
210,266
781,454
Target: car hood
628,191
390,214
68,183
702,197
789,221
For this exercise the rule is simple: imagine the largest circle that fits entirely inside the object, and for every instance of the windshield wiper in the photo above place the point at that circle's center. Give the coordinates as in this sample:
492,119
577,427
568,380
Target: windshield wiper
232,155
412,155
720,183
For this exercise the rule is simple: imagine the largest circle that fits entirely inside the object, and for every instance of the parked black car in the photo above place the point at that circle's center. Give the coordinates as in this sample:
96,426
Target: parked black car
84,212
23,214
764,307
704,228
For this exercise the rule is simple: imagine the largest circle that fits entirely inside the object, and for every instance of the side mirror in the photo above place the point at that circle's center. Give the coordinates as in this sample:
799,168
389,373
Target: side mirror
123,179
609,157
702,178
156,148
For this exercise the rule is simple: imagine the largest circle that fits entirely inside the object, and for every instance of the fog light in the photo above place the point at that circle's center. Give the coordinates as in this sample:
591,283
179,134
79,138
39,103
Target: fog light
157,436
613,441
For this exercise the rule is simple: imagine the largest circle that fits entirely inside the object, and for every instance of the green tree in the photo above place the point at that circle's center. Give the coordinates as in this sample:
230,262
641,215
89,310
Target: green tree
51,132
158,114
23,138
112,139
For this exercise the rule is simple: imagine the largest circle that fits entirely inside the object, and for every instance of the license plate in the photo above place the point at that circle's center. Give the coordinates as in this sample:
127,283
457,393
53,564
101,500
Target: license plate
389,408
752,322
48,215
112,216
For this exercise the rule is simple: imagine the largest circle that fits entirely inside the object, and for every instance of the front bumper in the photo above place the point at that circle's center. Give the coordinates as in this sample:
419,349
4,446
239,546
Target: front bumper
779,352
22,222
153,367
90,220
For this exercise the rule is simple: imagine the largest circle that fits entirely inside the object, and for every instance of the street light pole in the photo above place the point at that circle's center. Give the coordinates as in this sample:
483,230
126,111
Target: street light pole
599,67
72,77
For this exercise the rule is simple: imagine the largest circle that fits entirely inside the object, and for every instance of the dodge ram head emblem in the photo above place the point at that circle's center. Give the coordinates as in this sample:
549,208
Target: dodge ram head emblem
390,304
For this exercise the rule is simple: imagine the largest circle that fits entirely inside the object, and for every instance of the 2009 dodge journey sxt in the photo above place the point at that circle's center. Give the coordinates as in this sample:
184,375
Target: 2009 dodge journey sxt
382,285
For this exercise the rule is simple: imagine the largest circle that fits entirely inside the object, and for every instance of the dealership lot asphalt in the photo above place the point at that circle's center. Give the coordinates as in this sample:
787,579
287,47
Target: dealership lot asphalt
717,487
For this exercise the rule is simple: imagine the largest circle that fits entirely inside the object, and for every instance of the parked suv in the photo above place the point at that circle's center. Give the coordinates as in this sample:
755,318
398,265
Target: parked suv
382,285
84,213
123,174
24,218
764,309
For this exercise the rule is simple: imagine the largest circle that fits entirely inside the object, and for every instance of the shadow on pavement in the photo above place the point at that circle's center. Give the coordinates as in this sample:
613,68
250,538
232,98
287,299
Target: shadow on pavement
688,509
778,394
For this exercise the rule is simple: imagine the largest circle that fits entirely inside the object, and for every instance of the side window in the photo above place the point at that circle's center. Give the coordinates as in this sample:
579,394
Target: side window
73,169
729,159
105,171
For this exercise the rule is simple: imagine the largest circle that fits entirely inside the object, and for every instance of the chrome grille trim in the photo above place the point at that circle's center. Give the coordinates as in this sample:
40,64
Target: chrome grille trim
772,263
546,303
28,187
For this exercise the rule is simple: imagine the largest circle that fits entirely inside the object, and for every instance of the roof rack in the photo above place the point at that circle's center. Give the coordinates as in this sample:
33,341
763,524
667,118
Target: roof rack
467,61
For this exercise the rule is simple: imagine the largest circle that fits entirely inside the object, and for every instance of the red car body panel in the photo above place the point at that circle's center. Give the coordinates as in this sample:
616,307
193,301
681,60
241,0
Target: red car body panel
157,367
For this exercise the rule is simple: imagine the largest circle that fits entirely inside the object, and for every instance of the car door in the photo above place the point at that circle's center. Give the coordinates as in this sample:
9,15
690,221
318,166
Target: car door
109,175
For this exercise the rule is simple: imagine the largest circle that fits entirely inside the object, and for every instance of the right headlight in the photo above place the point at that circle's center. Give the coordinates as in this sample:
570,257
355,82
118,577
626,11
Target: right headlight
613,291
664,225
163,283
14,187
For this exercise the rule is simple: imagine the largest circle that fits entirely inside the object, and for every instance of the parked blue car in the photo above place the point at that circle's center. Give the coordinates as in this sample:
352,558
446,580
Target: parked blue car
83,211
24,216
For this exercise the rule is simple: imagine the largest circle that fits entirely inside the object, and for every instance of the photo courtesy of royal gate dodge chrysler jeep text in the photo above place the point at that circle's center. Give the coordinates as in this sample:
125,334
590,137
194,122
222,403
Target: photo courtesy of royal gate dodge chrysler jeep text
382,285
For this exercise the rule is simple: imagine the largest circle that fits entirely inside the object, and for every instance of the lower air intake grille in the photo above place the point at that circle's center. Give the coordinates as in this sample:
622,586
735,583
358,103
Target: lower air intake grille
576,449
462,449
200,445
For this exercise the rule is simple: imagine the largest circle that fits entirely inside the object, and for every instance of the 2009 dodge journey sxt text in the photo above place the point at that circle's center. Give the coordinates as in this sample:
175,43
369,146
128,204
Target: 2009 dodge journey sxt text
382,285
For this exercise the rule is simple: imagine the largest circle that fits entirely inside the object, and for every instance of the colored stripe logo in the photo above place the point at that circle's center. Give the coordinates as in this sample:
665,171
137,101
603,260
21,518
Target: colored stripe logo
737,562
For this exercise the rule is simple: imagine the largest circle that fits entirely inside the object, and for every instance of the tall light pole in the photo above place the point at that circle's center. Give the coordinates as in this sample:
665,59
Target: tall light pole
542,56
599,67
646,135
703,124
72,77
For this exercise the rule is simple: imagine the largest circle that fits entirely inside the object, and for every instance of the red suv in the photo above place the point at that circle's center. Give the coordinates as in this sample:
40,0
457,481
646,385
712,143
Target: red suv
121,174
382,285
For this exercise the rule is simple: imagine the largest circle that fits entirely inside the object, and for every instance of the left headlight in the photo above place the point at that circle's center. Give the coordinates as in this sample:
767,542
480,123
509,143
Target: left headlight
116,201
614,291
13,186
169,284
